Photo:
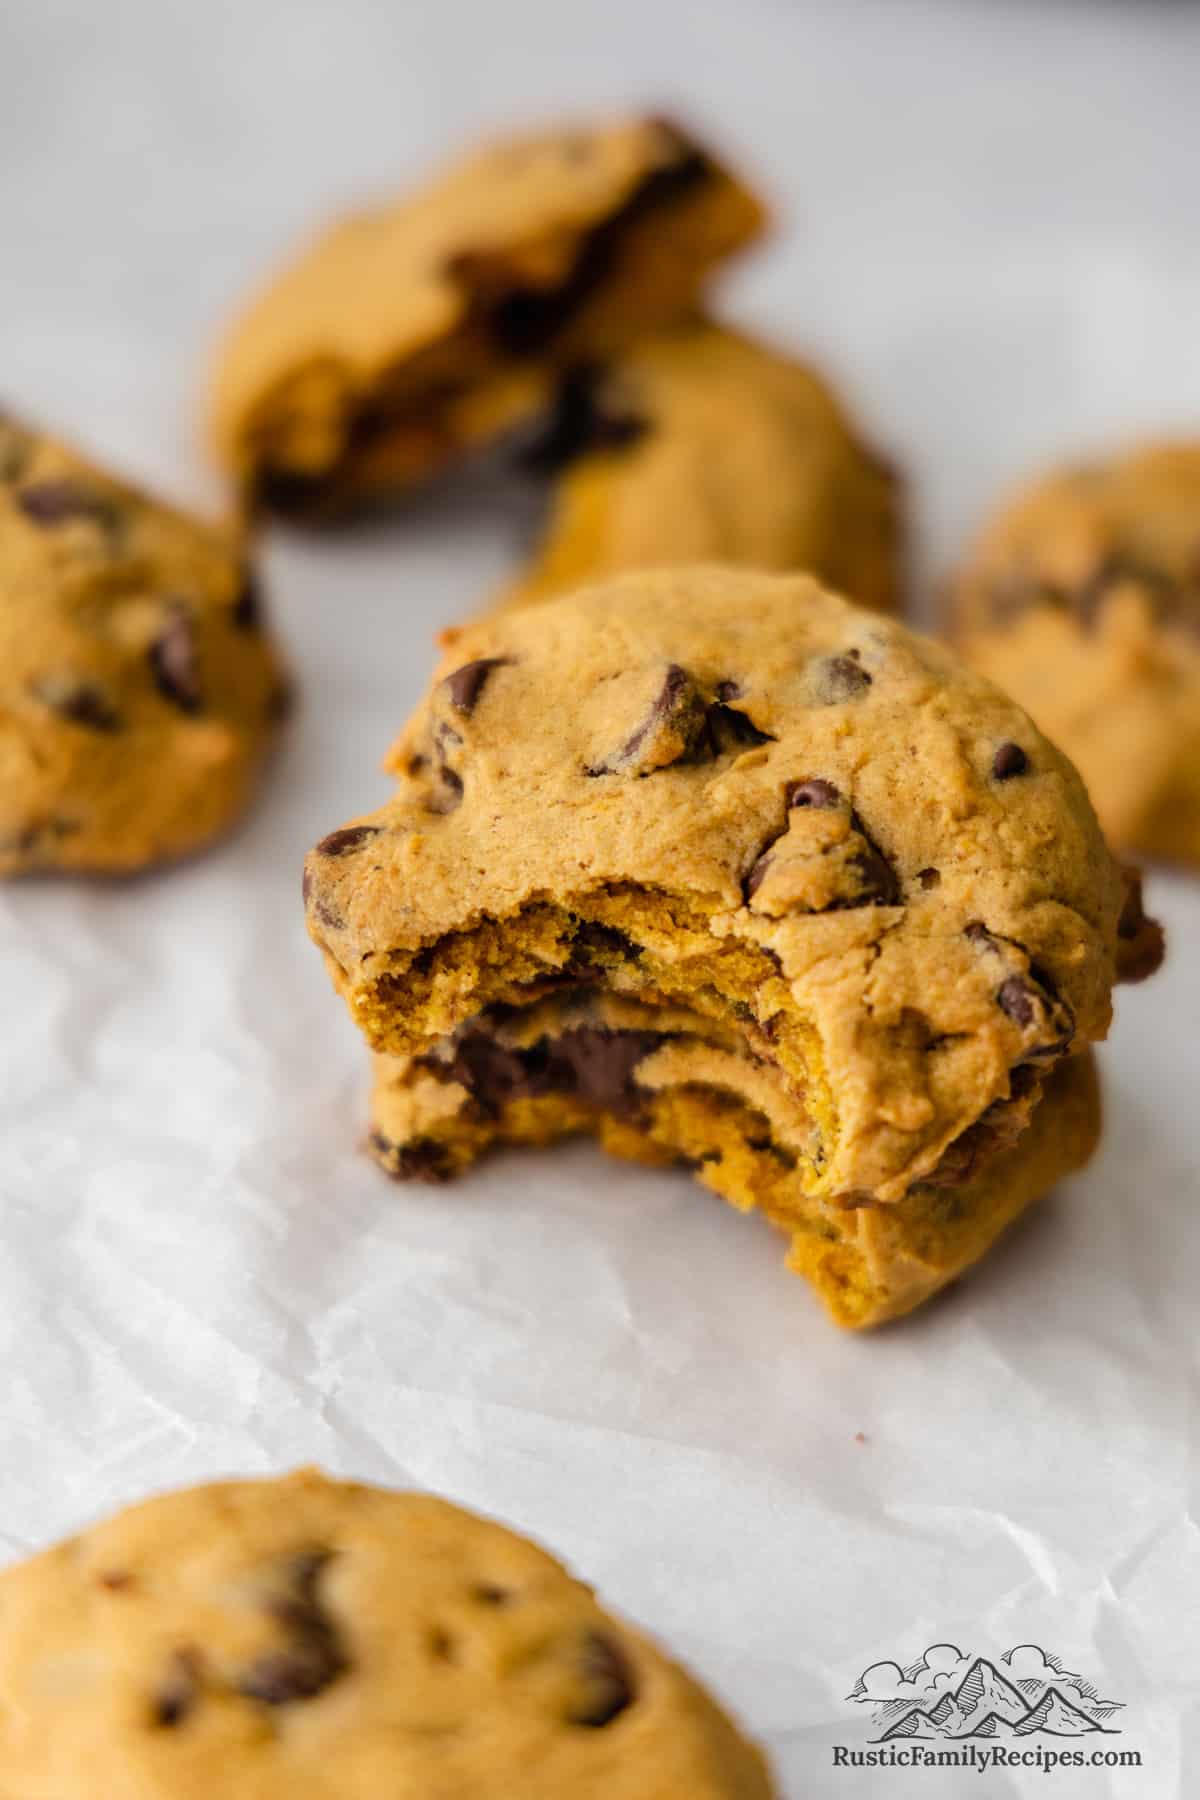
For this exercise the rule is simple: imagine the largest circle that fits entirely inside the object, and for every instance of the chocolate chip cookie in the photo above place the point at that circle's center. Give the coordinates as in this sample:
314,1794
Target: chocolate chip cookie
139,689
429,326
754,874
304,1639
700,444
1082,598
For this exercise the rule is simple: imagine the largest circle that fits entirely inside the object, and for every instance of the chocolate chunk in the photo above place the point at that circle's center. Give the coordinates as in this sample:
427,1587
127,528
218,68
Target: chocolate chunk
929,879
82,701
54,501
840,678
1008,761
608,1683
179,1691
174,662
587,416
590,1062
350,837
465,685
602,1063
727,691
813,792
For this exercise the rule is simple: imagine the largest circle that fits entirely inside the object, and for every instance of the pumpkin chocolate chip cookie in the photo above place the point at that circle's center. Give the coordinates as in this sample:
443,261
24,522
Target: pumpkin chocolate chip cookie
701,445
139,690
1082,598
713,861
427,327
305,1639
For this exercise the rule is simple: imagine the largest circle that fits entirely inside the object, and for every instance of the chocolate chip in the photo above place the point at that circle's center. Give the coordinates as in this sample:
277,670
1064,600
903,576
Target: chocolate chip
730,729
248,608
755,878
676,728
350,837
16,448
82,701
608,1680
727,691
1008,761
179,1690
592,941
813,792
587,416
879,885
1140,942
424,1159
465,685
282,1676
1118,570
840,678
174,662
1016,998
929,878
314,1657
53,502
520,318
489,1594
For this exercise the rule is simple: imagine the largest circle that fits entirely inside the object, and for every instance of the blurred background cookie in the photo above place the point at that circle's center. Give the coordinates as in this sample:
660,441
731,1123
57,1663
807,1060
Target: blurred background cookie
703,445
300,1638
139,689
1082,598
412,333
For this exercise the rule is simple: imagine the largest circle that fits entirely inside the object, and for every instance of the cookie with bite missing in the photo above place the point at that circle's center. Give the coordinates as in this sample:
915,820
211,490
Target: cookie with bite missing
701,444
1082,598
754,875
140,690
429,326
306,1639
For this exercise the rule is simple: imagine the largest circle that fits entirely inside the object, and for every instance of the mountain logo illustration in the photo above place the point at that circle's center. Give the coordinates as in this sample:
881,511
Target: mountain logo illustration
951,1694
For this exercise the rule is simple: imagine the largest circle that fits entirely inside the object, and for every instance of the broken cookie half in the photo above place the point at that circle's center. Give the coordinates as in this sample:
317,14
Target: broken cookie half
728,871
431,325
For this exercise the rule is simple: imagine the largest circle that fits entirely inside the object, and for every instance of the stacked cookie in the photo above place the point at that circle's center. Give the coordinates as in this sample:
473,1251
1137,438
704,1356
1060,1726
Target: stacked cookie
731,872
542,296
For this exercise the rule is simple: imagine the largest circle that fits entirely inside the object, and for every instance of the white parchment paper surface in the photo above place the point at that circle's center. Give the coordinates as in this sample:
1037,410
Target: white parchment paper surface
989,235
